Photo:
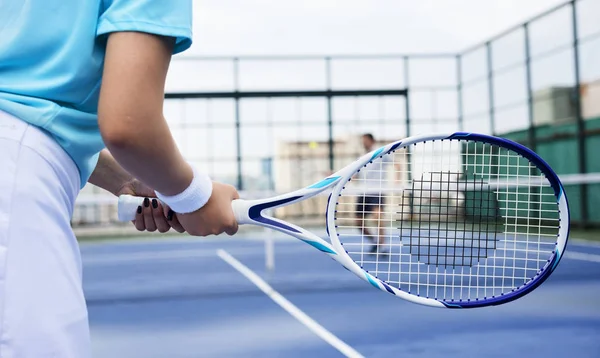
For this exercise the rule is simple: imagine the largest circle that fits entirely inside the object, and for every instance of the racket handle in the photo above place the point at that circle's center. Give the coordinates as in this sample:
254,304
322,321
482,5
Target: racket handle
127,207
241,209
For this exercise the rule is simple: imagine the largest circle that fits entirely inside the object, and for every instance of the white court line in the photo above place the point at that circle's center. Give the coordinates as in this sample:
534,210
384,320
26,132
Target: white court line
582,242
146,256
289,307
149,255
582,257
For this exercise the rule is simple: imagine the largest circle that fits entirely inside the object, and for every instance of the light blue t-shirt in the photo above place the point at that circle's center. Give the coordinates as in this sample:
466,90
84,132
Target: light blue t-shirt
52,55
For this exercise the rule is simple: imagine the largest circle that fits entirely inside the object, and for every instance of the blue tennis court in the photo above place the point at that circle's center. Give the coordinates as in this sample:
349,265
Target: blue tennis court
175,297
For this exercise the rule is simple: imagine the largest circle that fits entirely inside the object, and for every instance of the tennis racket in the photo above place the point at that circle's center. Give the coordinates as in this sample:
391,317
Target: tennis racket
458,220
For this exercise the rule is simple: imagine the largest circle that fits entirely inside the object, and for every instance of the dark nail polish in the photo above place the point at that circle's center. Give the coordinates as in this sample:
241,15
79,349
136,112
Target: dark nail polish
139,210
154,203
146,202
170,215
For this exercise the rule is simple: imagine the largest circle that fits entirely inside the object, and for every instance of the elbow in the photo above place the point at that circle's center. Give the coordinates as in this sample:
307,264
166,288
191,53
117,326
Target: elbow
116,134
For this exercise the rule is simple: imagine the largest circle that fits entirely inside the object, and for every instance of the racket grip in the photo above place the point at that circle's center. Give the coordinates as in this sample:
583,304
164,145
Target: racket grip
241,209
127,207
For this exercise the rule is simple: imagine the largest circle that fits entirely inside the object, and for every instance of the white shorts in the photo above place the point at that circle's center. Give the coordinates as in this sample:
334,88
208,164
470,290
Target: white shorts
42,307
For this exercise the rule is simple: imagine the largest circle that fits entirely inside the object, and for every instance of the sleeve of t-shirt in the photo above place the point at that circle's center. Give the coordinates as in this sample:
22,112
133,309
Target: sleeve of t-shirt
172,18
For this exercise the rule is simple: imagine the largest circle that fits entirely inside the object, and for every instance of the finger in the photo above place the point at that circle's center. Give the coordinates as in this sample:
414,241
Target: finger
148,217
159,218
168,212
175,224
139,220
172,219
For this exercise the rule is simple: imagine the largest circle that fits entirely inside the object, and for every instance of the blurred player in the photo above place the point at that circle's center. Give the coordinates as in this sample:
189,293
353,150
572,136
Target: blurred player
371,205
77,76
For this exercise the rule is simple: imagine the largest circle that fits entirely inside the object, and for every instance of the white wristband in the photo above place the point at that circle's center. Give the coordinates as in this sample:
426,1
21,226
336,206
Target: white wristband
193,197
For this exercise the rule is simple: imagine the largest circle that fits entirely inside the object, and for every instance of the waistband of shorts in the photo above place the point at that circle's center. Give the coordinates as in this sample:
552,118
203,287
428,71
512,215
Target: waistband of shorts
42,143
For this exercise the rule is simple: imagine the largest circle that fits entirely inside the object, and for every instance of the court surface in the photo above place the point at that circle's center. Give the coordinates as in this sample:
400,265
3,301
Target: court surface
175,297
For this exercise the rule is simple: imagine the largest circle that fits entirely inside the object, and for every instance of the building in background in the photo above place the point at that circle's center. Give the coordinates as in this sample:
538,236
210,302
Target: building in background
556,105
590,99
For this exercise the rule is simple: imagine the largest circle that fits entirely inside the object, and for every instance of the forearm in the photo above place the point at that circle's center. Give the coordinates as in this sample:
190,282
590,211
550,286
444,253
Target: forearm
149,153
108,174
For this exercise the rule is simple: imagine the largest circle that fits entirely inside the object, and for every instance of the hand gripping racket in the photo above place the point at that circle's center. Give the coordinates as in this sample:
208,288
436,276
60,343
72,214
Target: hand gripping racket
459,220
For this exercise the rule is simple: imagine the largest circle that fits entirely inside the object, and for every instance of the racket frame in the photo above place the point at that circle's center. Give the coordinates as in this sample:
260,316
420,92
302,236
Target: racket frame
252,212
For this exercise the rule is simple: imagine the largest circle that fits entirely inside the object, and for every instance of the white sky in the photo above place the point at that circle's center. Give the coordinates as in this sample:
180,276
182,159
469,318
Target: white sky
352,26
327,27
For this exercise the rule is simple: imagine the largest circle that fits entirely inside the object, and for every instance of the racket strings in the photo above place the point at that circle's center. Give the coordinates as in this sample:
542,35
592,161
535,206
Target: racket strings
449,219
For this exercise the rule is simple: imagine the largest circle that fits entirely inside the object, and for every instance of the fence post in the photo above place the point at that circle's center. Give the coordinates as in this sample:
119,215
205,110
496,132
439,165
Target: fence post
579,117
488,46
407,107
329,114
531,140
238,141
408,154
459,91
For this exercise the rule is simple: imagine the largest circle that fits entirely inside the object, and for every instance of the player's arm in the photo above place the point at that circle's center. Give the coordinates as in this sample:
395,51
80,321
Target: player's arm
109,175
397,172
396,167
130,117
130,111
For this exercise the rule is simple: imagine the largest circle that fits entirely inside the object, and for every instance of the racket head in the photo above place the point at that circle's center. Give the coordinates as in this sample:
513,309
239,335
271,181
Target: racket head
458,280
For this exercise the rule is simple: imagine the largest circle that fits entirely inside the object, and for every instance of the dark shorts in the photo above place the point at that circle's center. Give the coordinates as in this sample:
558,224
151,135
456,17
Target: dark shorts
368,203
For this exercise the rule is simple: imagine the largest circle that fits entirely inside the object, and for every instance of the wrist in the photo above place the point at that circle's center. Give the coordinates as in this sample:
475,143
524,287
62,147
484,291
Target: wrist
194,197
109,175
126,186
